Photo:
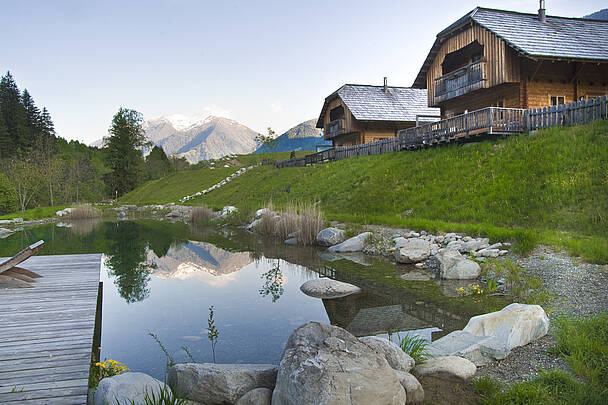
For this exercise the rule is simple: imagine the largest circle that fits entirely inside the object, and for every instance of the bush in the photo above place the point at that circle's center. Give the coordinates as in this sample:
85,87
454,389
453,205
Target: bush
8,196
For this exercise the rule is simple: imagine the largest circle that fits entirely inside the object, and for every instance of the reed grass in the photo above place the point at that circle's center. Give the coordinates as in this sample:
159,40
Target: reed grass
303,220
201,214
84,211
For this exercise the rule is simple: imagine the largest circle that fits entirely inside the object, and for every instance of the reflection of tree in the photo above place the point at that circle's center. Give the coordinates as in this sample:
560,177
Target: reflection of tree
126,261
273,283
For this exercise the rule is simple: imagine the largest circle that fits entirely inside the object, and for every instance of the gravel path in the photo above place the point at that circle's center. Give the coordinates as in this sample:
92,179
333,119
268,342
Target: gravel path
577,288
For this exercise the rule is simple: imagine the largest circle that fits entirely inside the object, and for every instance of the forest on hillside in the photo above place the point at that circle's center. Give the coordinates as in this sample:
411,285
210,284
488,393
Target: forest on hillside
39,168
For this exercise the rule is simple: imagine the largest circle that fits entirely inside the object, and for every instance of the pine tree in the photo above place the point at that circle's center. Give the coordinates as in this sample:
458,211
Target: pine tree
124,156
5,140
158,163
15,115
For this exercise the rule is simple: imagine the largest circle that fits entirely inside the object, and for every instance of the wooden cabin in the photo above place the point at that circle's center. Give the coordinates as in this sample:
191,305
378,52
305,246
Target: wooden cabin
356,114
509,59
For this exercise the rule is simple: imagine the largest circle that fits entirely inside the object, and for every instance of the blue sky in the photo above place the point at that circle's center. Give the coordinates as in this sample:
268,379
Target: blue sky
262,63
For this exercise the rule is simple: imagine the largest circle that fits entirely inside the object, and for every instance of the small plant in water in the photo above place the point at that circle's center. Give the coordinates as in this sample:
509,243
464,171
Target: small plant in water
212,332
415,346
492,285
169,358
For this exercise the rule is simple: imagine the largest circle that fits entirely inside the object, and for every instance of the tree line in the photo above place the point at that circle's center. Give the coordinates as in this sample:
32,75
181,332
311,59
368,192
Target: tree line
38,168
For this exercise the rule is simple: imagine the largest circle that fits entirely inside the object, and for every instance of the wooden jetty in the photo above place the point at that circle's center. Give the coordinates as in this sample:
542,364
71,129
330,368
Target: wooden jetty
47,332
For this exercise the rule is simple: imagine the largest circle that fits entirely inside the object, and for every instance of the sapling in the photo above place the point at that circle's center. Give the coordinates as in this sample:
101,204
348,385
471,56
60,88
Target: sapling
212,332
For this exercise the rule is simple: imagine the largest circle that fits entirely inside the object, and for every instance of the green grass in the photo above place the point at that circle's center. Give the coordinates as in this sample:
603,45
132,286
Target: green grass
35,213
548,188
584,344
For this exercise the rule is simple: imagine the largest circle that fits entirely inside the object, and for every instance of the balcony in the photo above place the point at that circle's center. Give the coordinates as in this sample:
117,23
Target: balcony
461,81
334,128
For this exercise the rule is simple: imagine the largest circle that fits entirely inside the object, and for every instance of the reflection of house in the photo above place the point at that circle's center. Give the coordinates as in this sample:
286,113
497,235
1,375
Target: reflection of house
509,59
356,114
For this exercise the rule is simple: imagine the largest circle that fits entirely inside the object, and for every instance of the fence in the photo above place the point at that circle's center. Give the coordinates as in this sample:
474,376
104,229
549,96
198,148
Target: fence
490,120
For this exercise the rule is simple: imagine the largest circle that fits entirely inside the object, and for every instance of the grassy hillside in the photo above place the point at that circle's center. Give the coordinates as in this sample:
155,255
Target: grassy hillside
550,187
179,184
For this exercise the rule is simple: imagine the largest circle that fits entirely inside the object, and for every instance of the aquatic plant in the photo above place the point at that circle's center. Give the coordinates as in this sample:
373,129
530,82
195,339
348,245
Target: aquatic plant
212,332
164,397
170,361
415,346
185,349
201,214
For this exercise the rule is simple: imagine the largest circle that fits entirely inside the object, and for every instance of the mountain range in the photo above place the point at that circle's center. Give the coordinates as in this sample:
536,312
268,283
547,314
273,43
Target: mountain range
213,137
599,15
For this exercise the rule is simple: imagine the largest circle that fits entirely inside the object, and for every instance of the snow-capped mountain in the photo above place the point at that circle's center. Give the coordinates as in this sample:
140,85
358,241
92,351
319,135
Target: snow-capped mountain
197,138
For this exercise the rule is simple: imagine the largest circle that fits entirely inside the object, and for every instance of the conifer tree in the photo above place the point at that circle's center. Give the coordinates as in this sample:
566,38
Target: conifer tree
5,140
15,115
124,156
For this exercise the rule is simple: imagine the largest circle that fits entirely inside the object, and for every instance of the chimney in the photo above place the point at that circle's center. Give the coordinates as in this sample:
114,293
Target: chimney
385,84
542,17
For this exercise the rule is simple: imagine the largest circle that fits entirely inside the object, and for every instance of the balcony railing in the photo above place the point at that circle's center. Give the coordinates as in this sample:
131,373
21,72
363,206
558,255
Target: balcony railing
334,128
461,81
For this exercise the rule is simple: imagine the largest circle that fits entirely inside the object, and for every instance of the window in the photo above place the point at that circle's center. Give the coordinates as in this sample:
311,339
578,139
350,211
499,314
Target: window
336,113
556,100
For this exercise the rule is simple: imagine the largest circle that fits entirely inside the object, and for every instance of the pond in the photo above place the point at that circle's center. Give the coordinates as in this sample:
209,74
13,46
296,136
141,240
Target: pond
161,278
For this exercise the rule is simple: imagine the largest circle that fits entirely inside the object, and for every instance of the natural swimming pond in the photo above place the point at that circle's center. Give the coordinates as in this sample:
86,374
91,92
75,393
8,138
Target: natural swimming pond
161,277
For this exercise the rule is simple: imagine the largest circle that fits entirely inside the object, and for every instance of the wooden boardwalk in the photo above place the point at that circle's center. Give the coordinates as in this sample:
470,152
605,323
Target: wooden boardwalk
46,332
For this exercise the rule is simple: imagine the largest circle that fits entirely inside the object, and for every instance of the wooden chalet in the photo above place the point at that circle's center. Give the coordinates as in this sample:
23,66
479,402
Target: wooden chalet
357,114
497,58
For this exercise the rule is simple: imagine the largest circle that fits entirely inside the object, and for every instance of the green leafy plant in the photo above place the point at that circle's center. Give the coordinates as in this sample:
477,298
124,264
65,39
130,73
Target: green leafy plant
170,361
492,285
212,332
415,346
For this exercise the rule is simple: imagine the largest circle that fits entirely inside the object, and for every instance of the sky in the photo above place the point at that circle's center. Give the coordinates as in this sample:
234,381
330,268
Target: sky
261,63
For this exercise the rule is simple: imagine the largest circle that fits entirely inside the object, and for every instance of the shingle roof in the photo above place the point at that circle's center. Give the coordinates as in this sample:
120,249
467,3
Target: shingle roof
557,38
371,103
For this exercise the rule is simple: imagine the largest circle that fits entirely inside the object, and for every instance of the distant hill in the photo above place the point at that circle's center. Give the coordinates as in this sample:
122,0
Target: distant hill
303,136
599,15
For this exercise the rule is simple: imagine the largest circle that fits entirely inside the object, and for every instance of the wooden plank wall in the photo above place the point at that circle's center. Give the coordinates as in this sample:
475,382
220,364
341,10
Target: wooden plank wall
502,65
47,332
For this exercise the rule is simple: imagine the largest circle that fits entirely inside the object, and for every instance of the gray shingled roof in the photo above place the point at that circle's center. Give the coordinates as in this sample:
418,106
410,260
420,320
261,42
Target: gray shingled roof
371,103
557,38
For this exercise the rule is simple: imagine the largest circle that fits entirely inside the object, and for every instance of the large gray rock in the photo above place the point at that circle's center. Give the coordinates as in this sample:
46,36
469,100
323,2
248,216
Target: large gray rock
454,266
397,358
413,388
474,244
480,350
258,396
514,325
354,244
126,388
213,384
326,288
330,236
449,368
413,250
324,364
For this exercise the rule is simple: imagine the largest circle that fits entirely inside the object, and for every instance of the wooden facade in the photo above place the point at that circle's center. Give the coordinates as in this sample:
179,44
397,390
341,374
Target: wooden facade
471,67
343,129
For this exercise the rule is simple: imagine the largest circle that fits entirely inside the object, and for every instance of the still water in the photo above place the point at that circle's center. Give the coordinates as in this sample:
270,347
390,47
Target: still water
161,278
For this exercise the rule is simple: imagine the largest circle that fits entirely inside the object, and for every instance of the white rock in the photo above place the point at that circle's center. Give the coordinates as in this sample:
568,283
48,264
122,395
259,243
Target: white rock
453,266
330,236
260,212
397,358
413,250
126,388
354,244
253,224
487,253
215,384
473,244
228,210
413,388
258,396
5,233
327,288
449,368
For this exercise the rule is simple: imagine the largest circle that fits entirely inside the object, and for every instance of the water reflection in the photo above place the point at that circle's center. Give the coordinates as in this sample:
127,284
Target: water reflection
273,282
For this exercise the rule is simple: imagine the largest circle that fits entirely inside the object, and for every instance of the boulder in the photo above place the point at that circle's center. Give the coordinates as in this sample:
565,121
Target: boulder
400,241
413,250
326,288
354,244
324,364
228,210
454,266
451,368
397,358
480,350
291,241
413,388
514,325
5,233
253,224
330,236
258,396
127,388
487,253
213,384
473,245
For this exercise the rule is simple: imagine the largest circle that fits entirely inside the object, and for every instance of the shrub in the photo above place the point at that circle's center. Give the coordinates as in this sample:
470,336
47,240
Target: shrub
201,214
84,211
8,196
415,346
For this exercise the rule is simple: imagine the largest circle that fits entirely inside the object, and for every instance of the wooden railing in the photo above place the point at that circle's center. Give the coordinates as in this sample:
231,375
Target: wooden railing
334,128
487,121
461,81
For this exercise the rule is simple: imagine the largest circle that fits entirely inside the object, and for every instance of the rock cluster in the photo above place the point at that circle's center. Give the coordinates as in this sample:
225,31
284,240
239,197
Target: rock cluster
228,179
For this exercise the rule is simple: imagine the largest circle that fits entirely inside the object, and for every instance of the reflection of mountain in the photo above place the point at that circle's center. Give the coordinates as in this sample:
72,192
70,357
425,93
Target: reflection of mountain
202,260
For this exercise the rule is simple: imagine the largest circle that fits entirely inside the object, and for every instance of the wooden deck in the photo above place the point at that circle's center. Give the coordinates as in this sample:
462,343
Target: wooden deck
46,332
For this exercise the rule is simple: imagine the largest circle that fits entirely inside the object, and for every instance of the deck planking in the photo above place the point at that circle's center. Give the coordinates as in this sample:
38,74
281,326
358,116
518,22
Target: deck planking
46,332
